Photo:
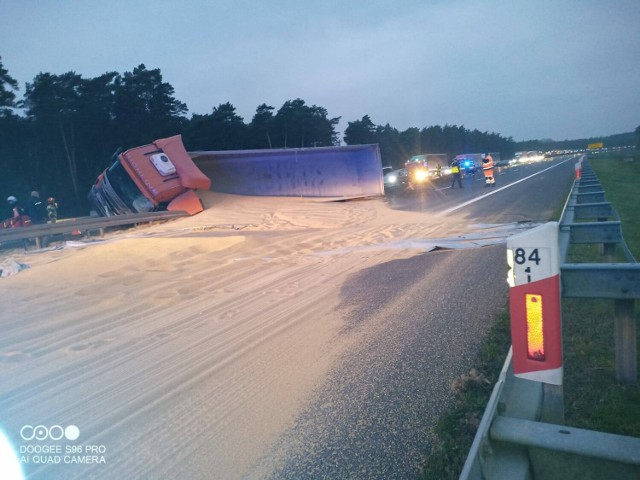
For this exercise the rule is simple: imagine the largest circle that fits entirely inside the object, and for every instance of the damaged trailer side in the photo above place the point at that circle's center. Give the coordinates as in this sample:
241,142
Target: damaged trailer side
350,171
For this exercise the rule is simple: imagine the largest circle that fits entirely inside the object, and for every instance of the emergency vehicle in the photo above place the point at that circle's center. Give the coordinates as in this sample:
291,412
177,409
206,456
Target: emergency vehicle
421,168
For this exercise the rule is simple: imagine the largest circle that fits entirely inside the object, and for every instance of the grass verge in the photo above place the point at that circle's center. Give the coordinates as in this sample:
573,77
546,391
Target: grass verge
592,398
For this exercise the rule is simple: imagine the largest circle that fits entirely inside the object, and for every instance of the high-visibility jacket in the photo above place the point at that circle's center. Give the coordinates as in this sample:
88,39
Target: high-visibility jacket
487,166
454,168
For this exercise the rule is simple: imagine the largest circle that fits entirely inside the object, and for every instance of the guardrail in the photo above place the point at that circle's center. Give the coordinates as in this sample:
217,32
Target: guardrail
521,435
86,225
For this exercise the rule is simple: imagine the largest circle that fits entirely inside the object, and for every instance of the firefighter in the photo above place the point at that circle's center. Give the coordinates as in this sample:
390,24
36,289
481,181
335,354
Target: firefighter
14,217
487,169
52,210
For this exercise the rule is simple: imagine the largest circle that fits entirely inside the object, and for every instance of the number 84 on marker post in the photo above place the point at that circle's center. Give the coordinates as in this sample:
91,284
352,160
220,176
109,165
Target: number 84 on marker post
533,255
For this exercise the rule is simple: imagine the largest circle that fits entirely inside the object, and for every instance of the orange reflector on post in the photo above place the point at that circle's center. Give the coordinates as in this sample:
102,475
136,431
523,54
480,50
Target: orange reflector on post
535,333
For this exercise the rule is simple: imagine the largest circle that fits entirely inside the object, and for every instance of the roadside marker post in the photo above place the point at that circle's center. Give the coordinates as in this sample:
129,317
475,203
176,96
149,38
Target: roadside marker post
536,320
534,304
578,168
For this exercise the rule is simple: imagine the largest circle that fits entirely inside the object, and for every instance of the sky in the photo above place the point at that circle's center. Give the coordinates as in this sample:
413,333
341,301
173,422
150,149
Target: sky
526,69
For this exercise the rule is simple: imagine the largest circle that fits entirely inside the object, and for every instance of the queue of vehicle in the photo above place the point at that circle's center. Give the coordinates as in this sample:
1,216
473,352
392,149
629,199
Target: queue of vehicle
423,169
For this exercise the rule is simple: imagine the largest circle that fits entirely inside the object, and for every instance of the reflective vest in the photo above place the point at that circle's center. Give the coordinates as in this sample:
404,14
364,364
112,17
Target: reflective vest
487,166
455,169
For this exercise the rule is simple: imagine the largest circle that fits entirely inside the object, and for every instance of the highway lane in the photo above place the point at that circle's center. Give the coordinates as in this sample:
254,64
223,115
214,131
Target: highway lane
439,197
424,319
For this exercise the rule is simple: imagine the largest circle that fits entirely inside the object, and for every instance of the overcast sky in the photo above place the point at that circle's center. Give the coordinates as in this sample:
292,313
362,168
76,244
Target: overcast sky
560,69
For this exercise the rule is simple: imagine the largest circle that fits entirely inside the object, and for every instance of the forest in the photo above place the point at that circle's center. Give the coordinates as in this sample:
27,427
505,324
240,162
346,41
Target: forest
64,131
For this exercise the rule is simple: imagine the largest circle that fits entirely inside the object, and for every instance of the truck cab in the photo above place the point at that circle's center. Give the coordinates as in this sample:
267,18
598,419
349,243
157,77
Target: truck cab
158,176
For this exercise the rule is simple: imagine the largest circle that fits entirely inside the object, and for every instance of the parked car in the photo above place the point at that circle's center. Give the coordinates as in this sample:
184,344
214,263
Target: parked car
395,178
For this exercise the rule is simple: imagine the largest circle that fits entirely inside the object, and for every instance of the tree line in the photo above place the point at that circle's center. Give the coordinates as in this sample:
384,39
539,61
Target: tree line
69,127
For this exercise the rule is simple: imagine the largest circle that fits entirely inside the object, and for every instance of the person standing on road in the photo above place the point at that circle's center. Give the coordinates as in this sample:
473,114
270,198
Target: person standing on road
455,171
487,169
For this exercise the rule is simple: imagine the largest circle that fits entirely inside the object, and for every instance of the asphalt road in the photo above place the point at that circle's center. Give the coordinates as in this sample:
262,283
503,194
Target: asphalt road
522,192
423,320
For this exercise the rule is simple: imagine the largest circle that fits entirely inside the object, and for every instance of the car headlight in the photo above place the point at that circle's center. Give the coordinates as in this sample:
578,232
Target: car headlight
421,175
392,179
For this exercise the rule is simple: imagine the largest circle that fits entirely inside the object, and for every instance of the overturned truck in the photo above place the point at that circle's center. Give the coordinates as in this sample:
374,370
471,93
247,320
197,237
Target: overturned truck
163,176
158,176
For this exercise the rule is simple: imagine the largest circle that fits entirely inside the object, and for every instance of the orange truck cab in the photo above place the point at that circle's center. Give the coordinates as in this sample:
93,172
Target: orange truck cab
158,176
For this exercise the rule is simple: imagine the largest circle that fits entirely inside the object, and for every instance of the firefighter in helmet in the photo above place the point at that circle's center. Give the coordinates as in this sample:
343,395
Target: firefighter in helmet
52,210
14,214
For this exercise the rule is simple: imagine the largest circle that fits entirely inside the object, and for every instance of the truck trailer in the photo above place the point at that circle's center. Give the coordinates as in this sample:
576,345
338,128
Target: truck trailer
348,171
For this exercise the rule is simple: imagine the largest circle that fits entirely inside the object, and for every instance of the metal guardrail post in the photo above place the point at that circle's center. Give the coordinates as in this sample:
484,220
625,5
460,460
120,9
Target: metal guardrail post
625,335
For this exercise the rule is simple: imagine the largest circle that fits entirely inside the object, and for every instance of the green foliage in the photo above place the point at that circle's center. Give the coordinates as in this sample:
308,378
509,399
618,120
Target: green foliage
7,85
620,177
73,125
361,132
262,127
222,129
396,147
593,399
295,125
618,140
144,107
298,126
51,103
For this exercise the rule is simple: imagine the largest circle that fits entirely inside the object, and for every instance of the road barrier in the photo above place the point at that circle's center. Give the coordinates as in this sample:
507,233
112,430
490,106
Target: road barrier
85,225
521,434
